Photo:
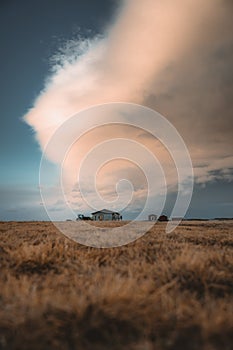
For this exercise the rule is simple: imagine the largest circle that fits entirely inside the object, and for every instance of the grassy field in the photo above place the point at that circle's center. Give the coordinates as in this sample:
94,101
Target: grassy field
164,291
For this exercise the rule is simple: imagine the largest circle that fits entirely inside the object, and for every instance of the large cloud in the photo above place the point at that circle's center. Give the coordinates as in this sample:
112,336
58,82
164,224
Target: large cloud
171,55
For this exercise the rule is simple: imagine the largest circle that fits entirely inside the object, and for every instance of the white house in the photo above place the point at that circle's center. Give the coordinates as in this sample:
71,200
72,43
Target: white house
106,215
152,217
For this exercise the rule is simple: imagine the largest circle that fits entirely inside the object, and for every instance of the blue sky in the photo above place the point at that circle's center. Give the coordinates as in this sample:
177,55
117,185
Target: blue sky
31,32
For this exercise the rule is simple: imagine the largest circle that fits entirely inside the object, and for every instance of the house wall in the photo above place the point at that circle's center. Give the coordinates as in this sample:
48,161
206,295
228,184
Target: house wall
106,217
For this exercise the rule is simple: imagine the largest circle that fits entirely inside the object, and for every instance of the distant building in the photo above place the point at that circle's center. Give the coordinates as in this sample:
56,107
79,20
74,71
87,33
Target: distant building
152,217
83,217
163,218
106,215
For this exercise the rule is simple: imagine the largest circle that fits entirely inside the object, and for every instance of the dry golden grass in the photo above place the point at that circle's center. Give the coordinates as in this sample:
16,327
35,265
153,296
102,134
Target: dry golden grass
161,292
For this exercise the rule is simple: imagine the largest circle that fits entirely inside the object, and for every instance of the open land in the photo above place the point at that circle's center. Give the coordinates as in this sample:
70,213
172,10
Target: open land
163,291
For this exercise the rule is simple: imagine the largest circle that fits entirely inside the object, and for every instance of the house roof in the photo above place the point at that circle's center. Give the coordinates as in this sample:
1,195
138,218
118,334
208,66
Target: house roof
105,211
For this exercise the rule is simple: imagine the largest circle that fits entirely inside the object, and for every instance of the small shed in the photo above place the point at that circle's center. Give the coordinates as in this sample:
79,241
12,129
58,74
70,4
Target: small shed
152,217
106,215
163,218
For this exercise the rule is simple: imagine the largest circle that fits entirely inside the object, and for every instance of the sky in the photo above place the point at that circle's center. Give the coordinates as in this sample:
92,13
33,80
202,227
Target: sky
60,57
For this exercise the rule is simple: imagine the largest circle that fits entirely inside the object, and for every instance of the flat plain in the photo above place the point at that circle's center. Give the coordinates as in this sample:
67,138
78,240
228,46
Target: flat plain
163,291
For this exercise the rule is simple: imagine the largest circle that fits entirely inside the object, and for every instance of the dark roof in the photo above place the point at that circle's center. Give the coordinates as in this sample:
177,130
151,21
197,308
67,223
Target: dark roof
105,211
